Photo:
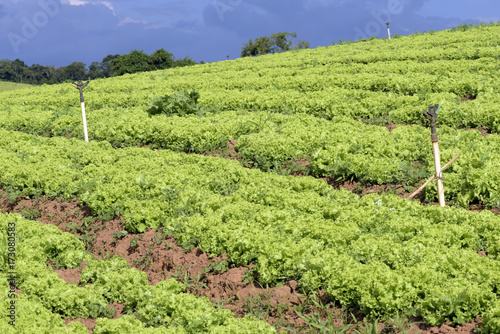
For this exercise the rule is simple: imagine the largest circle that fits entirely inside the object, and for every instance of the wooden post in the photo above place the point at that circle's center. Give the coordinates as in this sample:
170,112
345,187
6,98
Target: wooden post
80,86
432,115
84,117
439,175
432,177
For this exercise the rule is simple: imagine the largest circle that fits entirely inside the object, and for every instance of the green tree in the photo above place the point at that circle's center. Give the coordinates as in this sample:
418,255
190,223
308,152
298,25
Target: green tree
282,41
19,70
260,46
95,70
133,62
278,42
162,59
38,74
75,71
6,70
302,45
186,61
107,65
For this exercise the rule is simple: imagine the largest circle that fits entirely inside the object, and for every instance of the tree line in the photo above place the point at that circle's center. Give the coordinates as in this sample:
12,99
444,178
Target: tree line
133,62
276,43
111,65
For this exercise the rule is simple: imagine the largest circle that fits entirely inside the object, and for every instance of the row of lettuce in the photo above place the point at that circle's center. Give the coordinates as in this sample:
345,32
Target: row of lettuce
46,299
340,148
25,109
377,79
381,254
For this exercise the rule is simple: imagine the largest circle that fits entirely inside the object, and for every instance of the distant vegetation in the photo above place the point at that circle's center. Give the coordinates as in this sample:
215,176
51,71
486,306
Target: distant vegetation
111,65
5,86
278,42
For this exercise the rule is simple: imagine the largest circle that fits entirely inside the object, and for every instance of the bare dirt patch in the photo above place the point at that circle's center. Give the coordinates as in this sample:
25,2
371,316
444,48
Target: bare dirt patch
235,288
468,97
89,323
156,254
390,126
72,276
365,189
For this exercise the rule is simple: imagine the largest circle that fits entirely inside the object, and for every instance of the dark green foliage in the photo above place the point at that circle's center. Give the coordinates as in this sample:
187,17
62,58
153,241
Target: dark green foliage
186,61
111,65
463,27
162,59
135,61
278,42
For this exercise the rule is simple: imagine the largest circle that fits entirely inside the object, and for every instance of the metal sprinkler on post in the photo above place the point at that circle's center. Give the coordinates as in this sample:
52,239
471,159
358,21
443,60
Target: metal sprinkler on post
431,115
80,86
388,30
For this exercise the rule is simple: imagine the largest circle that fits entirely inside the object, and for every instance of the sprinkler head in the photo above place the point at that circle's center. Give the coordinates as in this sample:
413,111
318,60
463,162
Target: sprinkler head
431,115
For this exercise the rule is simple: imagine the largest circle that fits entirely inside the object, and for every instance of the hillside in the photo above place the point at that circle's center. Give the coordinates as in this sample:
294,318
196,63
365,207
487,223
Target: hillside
6,86
379,82
252,174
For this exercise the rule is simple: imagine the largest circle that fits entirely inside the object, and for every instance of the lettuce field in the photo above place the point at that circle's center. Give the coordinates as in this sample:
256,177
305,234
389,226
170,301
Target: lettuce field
292,169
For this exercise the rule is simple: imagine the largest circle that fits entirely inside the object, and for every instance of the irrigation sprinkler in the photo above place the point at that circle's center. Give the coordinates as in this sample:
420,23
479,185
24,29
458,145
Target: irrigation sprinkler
431,115
80,86
388,30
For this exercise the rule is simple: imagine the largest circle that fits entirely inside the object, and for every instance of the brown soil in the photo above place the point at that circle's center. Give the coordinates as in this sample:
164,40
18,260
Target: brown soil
72,276
390,126
484,131
299,166
384,121
231,287
467,97
481,207
364,189
227,152
89,323
160,257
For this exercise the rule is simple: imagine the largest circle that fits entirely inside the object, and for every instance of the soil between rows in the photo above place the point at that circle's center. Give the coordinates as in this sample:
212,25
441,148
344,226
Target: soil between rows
233,288
298,167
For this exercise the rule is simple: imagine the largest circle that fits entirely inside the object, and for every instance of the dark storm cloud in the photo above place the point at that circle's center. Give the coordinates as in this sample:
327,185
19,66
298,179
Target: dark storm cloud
318,22
57,34
89,30
88,33
173,8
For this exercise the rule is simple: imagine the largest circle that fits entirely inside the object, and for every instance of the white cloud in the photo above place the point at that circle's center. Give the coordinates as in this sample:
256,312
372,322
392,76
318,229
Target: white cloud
85,2
487,19
129,20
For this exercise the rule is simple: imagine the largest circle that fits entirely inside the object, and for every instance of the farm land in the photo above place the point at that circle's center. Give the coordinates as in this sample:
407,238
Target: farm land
259,195
5,86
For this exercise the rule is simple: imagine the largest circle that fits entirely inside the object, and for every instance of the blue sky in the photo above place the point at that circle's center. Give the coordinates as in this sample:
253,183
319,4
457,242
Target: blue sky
58,32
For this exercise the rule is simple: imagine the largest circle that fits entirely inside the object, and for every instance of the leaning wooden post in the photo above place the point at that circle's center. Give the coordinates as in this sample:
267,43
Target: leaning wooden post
431,114
433,177
80,86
